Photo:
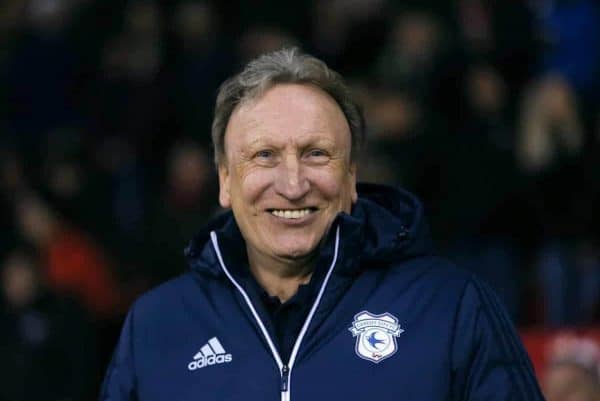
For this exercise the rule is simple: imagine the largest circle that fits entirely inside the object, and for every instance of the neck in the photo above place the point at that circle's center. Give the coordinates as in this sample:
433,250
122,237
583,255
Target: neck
281,277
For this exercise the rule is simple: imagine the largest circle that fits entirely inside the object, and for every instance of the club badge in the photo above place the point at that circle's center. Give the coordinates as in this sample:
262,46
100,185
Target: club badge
375,335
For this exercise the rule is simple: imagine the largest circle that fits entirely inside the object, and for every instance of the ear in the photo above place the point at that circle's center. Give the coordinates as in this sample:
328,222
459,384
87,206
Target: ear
224,187
352,172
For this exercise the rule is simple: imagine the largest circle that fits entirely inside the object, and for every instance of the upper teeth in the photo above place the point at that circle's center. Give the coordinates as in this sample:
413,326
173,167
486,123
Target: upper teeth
291,214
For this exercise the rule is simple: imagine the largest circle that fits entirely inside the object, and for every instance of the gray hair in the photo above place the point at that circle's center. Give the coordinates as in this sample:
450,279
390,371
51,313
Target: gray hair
283,66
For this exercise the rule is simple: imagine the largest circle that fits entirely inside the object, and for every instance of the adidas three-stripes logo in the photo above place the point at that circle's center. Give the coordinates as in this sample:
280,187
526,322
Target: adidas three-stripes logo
211,353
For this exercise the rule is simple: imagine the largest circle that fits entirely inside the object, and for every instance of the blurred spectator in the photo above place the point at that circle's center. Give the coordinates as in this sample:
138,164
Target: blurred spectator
142,39
65,174
330,29
72,264
40,99
475,23
12,172
269,15
398,139
348,34
196,25
45,341
550,126
260,39
571,31
12,181
10,17
410,58
479,177
550,152
204,60
184,204
481,213
122,173
516,47
573,370
127,98
507,40
10,23
569,277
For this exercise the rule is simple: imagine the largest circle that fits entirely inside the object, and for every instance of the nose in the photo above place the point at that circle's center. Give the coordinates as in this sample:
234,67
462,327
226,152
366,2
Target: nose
290,181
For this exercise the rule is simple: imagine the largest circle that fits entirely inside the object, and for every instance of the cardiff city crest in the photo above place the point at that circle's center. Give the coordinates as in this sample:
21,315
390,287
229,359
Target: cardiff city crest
375,335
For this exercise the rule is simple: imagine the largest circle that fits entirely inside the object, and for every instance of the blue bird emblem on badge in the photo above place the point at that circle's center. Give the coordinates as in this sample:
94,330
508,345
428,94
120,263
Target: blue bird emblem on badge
374,341
375,335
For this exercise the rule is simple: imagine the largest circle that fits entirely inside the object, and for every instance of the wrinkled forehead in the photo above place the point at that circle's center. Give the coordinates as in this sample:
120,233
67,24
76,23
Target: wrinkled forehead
289,112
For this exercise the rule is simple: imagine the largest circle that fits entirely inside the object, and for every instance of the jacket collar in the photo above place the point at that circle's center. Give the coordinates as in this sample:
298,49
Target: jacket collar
386,224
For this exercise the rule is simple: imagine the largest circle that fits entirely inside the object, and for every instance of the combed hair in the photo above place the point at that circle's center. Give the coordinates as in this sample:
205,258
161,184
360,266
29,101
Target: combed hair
285,66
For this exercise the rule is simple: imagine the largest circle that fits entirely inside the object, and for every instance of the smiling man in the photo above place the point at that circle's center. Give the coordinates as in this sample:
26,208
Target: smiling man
312,287
286,174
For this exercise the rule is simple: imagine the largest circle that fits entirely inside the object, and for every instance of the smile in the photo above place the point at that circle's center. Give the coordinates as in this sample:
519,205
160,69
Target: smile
291,214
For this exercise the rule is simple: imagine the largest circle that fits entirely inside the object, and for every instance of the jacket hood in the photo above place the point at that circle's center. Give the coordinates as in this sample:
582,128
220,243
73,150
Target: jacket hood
392,224
386,224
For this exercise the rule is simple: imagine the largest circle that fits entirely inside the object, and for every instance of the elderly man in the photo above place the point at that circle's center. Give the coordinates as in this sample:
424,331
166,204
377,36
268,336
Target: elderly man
312,288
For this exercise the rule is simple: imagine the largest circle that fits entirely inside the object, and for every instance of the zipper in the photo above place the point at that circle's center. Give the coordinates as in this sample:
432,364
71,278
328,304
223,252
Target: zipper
284,370
285,378
285,383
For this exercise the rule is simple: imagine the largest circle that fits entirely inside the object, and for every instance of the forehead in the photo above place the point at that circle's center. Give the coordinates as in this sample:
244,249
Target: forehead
287,112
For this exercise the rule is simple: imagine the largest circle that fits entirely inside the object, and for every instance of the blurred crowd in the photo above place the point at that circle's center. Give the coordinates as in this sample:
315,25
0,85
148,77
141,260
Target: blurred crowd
487,110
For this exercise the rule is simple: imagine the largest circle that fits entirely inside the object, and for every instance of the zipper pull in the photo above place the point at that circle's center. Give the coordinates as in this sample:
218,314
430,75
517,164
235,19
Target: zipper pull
285,377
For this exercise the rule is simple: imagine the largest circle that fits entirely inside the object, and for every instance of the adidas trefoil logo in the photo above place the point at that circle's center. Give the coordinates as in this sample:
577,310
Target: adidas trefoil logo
211,353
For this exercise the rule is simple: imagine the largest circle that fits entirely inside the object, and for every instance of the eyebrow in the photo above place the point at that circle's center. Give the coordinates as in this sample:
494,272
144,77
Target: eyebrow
304,140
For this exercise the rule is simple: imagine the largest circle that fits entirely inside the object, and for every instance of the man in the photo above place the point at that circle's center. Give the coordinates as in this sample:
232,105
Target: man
312,288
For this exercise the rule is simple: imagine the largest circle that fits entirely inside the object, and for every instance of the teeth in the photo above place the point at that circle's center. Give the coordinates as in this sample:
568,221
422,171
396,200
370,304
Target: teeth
291,214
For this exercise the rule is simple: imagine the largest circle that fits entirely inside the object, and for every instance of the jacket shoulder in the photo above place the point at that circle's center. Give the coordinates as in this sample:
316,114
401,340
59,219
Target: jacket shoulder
165,297
434,271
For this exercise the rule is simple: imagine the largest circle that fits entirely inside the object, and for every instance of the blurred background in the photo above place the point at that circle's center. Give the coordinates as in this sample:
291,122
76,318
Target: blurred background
487,110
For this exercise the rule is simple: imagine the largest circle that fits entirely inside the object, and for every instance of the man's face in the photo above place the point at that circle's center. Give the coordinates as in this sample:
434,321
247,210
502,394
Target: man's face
287,170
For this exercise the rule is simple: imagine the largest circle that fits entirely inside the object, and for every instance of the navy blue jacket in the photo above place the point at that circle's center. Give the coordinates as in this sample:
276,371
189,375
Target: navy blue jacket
390,322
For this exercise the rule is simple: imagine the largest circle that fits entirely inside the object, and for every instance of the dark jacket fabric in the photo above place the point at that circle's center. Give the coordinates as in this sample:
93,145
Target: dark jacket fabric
389,321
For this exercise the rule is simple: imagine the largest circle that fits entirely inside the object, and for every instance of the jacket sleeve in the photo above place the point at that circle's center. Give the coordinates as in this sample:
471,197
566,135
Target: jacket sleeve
488,359
119,382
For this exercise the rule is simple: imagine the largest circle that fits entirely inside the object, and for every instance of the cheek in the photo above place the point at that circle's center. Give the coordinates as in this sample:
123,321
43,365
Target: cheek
250,187
334,184
329,187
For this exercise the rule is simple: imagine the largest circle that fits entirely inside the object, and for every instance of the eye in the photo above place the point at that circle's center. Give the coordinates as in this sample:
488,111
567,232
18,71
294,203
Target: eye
317,154
264,154
265,157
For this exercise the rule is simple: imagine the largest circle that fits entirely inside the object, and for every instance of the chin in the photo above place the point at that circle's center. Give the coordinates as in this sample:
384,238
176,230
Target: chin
295,252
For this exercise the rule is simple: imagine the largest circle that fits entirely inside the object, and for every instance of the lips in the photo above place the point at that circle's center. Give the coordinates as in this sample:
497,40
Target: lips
292,214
